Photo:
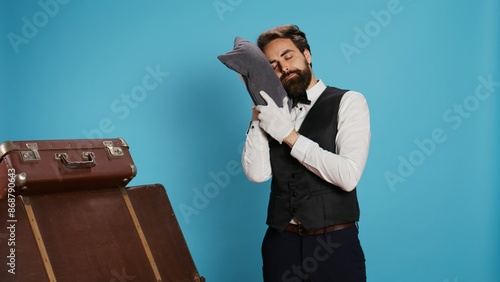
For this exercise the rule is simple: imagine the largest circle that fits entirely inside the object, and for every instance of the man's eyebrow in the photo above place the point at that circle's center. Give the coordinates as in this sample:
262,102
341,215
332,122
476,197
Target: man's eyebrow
281,55
285,52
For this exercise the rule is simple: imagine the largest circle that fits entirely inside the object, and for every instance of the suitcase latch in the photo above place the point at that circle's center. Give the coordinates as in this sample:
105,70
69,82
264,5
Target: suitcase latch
113,152
32,155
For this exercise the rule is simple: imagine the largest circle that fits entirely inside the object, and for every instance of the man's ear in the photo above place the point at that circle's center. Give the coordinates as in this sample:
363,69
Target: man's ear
307,55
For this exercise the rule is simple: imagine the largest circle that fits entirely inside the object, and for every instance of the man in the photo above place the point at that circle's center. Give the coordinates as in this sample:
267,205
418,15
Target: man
315,154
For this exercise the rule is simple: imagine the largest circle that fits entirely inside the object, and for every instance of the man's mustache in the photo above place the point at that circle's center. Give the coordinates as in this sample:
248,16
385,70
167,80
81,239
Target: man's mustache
286,74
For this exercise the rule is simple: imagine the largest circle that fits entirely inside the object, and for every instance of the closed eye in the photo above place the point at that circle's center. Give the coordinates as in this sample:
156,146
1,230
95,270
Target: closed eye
287,54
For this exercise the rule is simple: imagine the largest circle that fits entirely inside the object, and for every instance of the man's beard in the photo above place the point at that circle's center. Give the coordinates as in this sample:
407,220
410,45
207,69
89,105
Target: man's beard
297,86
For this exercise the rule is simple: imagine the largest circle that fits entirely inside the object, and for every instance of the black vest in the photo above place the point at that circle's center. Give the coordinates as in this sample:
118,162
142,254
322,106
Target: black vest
298,192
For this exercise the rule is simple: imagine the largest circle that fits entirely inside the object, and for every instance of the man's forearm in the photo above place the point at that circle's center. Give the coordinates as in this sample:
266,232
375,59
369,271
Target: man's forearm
255,156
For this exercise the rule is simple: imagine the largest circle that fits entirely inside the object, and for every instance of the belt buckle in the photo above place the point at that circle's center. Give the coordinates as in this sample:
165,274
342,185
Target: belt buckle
300,229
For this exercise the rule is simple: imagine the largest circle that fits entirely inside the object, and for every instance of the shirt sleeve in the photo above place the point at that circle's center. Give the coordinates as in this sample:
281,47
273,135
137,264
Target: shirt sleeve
255,158
344,167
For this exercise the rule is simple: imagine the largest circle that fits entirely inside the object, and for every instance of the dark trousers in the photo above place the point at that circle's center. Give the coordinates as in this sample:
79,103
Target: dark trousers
331,257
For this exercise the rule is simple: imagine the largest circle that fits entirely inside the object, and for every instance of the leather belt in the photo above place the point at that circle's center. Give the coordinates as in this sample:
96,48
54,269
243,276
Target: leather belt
299,229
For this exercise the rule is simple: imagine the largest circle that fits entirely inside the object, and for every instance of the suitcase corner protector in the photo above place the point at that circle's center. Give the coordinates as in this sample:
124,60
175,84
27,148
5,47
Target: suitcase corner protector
6,147
124,143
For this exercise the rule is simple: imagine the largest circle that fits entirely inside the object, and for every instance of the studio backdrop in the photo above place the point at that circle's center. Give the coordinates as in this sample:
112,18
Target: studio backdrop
147,71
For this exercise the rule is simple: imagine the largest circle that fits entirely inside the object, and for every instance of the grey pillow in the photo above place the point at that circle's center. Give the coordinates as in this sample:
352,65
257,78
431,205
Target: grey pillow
249,61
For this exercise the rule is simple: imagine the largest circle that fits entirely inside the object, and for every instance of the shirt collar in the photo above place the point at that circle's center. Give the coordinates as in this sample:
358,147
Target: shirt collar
315,91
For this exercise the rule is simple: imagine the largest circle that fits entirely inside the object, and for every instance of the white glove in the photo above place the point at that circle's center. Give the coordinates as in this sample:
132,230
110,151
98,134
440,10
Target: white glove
276,121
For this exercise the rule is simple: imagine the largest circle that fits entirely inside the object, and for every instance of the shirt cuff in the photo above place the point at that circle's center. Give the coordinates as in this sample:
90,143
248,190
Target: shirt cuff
300,148
254,128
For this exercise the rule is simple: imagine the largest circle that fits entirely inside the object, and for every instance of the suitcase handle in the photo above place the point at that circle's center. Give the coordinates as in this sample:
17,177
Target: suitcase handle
90,156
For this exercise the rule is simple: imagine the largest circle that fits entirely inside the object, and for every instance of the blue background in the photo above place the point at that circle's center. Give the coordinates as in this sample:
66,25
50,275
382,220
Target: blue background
429,212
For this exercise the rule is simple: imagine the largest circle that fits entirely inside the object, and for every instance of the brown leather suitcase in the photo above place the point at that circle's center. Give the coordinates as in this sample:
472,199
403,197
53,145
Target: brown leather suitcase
65,165
79,227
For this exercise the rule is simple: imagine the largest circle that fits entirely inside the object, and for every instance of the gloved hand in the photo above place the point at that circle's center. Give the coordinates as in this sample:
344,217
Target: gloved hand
276,121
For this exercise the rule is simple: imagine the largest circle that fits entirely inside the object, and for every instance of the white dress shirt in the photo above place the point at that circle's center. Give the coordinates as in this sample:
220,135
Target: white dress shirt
342,168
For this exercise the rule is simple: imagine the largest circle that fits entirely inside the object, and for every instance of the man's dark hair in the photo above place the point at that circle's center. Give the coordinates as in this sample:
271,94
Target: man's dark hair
289,31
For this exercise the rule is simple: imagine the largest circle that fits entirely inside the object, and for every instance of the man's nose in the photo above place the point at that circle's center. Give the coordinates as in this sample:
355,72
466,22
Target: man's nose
285,69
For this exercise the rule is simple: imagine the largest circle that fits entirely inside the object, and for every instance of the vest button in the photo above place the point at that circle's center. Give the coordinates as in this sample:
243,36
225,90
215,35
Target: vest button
294,194
292,210
293,175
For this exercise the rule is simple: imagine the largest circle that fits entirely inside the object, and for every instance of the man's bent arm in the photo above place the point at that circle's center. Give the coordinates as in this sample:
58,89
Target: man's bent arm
345,167
255,158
